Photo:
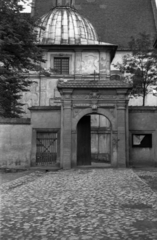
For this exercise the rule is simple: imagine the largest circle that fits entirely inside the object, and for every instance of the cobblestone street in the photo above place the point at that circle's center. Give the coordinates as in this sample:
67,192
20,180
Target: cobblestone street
79,205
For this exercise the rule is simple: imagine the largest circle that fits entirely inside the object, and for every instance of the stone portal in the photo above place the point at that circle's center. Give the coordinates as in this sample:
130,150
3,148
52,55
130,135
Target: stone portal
107,98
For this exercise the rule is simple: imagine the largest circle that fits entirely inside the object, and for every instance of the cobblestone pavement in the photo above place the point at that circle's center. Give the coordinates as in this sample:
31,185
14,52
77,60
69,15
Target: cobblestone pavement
79,205
149,176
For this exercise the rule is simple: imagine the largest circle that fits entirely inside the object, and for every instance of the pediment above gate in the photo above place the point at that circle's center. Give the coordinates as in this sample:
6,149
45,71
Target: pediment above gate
96,96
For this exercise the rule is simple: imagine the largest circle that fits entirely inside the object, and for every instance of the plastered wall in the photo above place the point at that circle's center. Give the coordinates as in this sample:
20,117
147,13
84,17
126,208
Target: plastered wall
143,120
81,62
43,91
15,145
16,136
46,119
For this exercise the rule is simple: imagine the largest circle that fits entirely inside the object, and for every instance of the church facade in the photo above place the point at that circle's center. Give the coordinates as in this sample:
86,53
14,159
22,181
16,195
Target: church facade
84,94
79,111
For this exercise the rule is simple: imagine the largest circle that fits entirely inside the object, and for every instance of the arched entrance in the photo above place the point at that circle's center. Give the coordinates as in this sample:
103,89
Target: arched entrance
81,98
94,140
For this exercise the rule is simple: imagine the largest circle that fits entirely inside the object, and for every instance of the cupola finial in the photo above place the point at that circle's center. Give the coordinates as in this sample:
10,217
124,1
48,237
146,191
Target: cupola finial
64,3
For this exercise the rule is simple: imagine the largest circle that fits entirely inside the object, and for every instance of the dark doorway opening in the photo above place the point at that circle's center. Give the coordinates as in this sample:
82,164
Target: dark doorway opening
84,141
93,140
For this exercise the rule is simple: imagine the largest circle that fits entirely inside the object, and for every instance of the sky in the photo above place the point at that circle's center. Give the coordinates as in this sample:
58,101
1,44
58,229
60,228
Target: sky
27,8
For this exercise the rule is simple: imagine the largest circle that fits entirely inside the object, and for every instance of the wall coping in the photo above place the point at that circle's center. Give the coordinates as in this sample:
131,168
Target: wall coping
142,109
24,121
45,108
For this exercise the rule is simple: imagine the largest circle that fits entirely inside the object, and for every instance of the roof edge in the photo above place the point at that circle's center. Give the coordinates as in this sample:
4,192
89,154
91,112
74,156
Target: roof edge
44,108
88,84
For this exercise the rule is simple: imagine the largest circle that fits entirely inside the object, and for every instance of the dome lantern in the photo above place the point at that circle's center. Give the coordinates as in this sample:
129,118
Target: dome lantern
64,3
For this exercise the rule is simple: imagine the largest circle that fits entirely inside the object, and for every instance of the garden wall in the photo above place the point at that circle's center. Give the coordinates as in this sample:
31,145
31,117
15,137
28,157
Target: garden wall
143,136
15,143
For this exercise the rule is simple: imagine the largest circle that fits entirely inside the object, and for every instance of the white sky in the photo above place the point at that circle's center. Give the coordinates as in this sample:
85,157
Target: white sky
27,8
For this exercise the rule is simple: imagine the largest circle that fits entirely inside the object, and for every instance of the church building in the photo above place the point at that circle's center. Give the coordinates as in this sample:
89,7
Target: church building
78,114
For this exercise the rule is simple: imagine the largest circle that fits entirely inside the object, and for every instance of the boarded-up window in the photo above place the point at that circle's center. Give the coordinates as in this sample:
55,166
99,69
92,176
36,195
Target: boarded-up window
142,140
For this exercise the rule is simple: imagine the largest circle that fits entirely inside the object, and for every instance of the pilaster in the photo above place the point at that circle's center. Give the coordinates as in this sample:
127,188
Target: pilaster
104,64
66,131
33,150
114,149
121,119
74,149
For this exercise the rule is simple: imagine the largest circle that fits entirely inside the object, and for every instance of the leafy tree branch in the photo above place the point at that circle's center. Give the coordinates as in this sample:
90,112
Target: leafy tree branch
140,67
19,54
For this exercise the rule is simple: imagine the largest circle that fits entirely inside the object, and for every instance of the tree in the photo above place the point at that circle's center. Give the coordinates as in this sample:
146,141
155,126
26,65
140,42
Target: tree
18,55
140,67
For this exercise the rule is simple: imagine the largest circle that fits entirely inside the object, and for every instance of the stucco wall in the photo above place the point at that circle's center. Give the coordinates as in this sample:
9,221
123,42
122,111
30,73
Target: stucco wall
43,91
143,120
16,135
81,62
46,118
15,143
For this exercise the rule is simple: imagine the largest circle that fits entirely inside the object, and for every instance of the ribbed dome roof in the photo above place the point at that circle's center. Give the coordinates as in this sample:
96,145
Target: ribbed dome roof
63,25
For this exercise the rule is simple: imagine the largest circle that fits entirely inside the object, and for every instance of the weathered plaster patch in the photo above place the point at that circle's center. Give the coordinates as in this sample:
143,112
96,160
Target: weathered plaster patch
90,62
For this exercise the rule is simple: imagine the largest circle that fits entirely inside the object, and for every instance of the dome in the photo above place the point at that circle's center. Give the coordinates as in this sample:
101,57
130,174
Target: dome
63,25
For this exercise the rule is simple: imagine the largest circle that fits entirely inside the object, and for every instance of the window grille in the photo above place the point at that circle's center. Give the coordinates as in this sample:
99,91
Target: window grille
46,148
61,65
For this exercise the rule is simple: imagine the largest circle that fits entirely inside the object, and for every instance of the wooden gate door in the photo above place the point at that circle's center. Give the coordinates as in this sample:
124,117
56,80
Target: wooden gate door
84,141
46,148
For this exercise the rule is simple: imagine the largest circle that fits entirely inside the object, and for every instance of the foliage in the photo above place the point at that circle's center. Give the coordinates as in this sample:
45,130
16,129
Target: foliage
140,67
18,55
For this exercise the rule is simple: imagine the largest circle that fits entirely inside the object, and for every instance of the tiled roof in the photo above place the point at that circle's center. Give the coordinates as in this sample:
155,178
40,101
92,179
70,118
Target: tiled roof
92,84
114,20
15,121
